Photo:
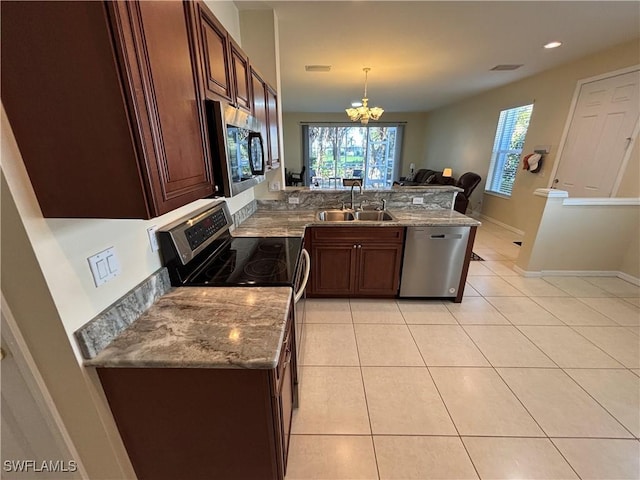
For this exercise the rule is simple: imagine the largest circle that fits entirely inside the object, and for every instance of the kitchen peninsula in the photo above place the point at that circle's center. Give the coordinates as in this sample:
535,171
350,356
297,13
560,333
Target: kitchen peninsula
215,367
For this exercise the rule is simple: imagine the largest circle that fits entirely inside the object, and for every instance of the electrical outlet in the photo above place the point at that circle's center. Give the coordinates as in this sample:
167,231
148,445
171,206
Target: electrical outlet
274,186
294,200
153,239
104,266
418,200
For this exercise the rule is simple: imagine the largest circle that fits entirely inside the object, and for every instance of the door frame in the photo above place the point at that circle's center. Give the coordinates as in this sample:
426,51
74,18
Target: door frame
36,384
572,111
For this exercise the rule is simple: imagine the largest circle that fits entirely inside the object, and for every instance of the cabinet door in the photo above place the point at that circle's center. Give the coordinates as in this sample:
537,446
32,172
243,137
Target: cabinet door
259,108
286,409
378,269
332,269
216,62
273,127
240,77
168,108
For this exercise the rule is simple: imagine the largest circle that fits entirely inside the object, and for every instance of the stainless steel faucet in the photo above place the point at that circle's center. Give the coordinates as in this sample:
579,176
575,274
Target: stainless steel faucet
356,182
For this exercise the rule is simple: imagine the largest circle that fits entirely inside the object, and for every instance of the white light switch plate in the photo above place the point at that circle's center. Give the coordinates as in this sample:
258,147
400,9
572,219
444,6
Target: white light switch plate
104,266
418,200
294,200
274,186
153,238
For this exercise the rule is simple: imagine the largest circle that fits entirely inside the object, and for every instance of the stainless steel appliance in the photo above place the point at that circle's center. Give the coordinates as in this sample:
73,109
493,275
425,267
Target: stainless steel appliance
199,251
237,148
433,261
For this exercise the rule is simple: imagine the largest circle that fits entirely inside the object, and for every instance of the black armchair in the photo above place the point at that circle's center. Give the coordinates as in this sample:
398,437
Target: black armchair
296,178
468,182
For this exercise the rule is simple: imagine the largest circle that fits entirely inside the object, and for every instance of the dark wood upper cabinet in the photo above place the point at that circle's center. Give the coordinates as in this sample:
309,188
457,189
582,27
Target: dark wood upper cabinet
216,56
259,108
265,108
105,105
240,75
273,126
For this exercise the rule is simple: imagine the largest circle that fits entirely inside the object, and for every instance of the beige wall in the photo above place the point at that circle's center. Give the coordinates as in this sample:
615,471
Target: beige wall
227,14
30,301
582,238
461,135
412,146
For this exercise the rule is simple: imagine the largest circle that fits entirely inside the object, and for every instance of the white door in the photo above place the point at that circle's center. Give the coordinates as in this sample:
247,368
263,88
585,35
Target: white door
600,133
35,444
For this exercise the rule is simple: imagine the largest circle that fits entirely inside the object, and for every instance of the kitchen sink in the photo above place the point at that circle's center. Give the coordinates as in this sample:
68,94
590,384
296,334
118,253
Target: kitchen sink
335,216
374,215
350,215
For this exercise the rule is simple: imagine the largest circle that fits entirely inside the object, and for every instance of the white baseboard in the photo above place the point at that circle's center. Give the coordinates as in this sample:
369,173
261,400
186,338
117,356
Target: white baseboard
503,225
577,273
629,278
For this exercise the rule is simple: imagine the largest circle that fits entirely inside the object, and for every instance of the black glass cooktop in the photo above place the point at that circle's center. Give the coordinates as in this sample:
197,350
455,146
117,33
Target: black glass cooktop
251,261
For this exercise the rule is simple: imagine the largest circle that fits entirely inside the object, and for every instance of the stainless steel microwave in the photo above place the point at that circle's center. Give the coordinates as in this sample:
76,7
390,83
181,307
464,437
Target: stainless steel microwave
237,148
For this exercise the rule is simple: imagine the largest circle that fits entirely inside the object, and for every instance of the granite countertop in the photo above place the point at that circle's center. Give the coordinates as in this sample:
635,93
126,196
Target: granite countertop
202,327
291,223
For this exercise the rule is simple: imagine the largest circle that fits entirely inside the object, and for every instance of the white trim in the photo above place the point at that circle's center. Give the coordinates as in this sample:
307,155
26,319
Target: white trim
503,225
613,201
629,278
577,273
572,108
526,273
550,193
625,158
36,384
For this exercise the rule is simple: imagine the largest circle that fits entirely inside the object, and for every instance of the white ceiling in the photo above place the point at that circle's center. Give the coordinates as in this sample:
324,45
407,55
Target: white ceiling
426,54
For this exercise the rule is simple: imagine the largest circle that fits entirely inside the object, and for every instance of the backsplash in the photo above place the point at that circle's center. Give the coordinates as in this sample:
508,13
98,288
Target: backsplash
437,197
100,332
245,212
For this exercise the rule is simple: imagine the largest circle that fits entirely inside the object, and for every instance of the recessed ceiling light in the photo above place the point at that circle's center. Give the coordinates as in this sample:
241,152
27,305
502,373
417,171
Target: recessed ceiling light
317,68
553,45
356,104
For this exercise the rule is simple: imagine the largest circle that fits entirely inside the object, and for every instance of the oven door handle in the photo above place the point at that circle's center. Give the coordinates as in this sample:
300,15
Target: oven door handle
307,269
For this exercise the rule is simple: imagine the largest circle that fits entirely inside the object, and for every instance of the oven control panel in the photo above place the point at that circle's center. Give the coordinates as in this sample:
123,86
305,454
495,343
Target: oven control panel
205,228
190,235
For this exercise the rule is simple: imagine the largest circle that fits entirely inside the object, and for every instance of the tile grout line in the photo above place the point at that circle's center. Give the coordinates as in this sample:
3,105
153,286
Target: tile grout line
444,404
364,392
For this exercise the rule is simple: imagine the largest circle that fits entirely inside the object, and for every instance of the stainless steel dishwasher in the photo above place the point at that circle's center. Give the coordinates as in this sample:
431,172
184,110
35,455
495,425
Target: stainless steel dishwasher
433,261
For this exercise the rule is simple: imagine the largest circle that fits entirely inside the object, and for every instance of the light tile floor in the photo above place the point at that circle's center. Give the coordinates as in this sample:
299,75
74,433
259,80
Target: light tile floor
526,378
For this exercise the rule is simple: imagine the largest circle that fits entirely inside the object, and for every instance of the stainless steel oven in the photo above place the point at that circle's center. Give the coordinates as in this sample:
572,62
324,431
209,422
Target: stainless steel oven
199,251
237,148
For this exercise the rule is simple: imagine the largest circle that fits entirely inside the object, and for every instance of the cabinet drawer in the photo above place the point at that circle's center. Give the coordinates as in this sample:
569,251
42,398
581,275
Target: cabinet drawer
361,234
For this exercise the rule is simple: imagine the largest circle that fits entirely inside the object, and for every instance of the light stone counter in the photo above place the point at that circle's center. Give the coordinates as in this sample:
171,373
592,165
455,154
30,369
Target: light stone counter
202,327
292,223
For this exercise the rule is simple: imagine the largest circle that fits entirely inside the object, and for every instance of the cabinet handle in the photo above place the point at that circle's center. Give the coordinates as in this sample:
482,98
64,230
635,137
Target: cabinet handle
359,246
354,246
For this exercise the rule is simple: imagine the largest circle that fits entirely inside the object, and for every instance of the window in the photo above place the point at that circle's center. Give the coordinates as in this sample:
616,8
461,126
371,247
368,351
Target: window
337,151
507,147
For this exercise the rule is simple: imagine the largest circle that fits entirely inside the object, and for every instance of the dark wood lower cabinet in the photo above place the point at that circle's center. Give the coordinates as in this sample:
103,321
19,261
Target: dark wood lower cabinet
205,423
355,261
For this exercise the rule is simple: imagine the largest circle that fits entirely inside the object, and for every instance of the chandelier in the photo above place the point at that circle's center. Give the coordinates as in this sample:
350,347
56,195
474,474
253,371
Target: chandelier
363,112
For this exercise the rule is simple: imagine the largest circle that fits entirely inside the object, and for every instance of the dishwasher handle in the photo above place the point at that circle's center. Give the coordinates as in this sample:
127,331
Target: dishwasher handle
445,236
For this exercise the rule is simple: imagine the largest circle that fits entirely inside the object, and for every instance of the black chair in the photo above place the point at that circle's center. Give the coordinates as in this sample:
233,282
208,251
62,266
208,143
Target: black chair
296,178
468,182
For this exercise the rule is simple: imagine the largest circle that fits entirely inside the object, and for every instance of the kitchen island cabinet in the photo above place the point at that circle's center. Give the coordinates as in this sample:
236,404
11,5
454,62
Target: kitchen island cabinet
106,107
355,261
202,385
